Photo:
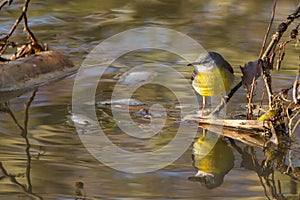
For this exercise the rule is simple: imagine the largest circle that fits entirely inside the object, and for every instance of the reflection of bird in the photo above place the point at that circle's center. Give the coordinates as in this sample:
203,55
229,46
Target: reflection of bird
212,76
213,159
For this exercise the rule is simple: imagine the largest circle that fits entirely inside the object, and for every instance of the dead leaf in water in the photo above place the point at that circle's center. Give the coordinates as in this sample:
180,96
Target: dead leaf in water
250,71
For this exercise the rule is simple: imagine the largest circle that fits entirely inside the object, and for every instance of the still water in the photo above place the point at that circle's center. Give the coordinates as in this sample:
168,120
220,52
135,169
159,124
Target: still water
52,162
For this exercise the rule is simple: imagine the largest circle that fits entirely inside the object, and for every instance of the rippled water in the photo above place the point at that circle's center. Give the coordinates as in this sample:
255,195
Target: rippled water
57,158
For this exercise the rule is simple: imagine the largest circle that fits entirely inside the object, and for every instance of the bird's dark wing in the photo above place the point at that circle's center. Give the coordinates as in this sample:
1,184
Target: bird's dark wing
220,61
227,66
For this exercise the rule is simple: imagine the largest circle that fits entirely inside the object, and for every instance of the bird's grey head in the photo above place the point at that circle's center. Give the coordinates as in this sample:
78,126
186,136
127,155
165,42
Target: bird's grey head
207,61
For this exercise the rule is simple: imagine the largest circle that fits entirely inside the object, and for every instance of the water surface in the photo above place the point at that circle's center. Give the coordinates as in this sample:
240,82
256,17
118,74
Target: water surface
59,160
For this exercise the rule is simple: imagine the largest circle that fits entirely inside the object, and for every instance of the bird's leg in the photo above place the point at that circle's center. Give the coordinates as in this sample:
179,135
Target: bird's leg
203,106
204,131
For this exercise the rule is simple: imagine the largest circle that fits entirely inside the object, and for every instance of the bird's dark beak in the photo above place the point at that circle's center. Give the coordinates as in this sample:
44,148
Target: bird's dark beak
194,63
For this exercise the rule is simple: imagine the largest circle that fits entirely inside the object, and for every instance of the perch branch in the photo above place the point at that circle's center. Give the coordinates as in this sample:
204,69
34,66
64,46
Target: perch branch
250,132
225,100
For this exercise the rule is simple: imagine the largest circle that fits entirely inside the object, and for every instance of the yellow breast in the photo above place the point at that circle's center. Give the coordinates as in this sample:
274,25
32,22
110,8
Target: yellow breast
213,82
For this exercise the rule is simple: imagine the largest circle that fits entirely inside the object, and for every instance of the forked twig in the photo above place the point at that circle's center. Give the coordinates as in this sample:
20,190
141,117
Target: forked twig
23,17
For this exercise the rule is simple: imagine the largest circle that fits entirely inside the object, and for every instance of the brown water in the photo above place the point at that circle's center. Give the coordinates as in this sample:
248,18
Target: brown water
54,153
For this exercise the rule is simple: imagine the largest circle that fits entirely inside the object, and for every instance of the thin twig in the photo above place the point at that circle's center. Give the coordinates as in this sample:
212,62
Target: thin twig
295,88
267,80
250,105
31,35
296,124
225,100
4,2
23,17
268,30
280,30
261,102
281,53
13,28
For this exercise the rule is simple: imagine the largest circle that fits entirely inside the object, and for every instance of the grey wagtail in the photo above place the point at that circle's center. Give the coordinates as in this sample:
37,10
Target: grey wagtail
212,76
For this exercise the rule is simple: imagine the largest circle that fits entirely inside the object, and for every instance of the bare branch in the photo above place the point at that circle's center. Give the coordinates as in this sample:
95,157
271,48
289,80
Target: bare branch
268,30
4,2
23,17
225,100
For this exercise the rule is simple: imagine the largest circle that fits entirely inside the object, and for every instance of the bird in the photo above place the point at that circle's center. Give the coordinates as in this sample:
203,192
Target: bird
212,76
212,158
